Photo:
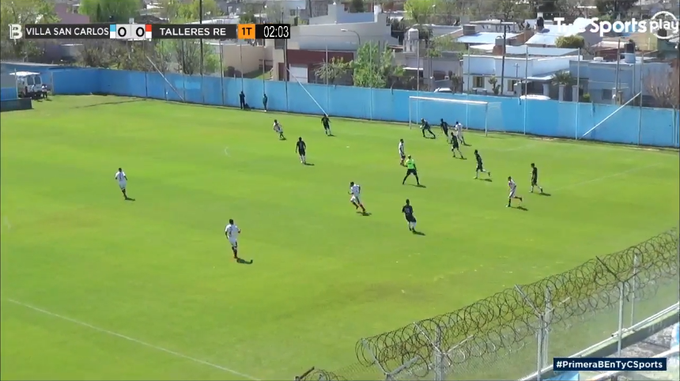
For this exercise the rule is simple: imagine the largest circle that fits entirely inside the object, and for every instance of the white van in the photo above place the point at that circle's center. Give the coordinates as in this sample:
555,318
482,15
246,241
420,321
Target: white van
30,85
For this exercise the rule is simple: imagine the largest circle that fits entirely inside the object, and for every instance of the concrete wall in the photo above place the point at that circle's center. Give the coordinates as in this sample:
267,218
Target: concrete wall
331,36
493,65
243,57
659,127
338,15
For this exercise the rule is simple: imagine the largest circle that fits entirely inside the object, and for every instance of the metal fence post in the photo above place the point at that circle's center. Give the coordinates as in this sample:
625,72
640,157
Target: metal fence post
439,361
620,326
545,327
540,332
636,264
539,354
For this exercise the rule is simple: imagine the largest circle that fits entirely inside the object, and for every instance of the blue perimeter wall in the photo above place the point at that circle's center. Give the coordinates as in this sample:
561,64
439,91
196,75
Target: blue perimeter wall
630,125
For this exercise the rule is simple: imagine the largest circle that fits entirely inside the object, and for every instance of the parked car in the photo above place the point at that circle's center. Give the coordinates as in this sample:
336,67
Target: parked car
30,85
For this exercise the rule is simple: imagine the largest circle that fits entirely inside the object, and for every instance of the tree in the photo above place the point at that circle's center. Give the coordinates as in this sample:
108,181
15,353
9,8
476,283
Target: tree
356,6
456,82
97,54
570,42
437,46
187,55
614,8
665,90
178,11
247,18
192,11
99,14
495,87
563,78
375,68
275,12
171,9
331,71
508,10
23,12
447,12
421,11
120,10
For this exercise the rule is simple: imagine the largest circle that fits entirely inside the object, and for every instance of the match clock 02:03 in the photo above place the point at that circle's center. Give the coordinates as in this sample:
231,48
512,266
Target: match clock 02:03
273,31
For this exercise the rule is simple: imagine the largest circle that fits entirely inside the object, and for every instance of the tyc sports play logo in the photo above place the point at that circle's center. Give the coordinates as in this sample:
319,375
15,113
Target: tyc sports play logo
663,20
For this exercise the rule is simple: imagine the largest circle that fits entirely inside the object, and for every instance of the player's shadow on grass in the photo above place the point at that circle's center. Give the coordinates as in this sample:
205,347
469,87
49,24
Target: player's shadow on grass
415,232
242,261
309,164
331,136
365,214
487,180
522,208
130,199
419,186
545,194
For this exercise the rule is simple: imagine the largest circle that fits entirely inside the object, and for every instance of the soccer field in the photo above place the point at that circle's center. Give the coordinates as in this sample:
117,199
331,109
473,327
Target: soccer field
96,287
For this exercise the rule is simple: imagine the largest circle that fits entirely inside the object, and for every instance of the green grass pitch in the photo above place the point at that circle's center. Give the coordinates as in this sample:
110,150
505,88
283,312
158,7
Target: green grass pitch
99,288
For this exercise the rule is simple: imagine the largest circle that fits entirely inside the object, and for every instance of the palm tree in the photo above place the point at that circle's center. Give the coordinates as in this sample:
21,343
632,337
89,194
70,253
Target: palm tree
563,79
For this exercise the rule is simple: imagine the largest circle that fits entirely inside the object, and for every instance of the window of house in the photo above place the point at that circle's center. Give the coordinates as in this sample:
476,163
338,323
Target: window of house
279,44
293,12
478,82
607,94
511,85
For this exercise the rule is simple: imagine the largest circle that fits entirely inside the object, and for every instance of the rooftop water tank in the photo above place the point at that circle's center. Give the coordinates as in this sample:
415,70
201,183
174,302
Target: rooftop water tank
629,47
413,34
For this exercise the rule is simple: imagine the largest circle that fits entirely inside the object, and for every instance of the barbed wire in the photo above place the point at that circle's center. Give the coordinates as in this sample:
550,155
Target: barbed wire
321,375
505,320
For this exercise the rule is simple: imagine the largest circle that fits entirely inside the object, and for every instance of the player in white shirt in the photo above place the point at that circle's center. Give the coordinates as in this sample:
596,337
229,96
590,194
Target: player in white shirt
355,191
458,130
402,152
278,129
513,191
232,231
121,177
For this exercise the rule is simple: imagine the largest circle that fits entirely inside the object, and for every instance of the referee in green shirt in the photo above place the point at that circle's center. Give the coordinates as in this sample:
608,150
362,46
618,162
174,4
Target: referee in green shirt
411,170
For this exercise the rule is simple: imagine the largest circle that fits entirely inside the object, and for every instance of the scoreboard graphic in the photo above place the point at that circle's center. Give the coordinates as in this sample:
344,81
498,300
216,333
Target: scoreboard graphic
146,32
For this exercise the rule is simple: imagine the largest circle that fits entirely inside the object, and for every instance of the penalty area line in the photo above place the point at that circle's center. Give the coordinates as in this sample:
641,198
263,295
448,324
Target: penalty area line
132,339
606,177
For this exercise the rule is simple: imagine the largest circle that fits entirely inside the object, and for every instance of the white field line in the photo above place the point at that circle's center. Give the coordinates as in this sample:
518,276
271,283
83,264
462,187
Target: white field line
606,177
128,338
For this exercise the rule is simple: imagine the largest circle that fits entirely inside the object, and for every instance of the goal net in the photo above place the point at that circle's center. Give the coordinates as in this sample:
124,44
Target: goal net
475,115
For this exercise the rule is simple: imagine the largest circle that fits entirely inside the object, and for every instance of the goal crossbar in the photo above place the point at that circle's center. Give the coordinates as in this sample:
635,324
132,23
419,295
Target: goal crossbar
418,99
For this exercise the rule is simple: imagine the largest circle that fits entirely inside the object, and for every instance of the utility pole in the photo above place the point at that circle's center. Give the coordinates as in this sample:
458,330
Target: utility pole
200,41
505,36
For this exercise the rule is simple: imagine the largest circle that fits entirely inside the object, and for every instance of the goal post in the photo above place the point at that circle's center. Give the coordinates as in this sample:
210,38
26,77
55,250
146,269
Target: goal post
476,115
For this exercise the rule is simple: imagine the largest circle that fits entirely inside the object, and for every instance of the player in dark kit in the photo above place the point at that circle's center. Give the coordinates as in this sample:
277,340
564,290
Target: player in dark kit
424,126
534,178
326,125
408,213
445,127
480,165
411,170
301,150
455,146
